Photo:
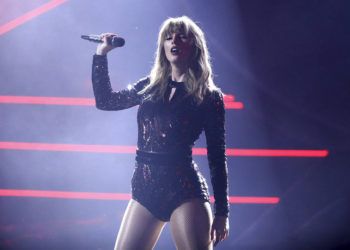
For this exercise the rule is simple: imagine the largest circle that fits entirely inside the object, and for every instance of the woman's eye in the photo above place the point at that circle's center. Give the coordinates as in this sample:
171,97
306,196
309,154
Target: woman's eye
168,38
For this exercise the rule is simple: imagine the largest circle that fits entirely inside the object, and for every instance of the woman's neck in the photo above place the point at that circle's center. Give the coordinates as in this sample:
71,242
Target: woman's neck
178,73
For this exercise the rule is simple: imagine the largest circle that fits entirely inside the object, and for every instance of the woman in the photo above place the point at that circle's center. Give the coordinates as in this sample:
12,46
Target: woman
177,101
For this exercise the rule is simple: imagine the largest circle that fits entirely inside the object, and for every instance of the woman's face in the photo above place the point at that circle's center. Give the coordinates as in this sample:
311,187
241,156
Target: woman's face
178,48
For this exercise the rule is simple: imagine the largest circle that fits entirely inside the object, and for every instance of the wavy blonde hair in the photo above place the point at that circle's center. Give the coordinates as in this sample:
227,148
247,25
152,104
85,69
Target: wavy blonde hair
198,78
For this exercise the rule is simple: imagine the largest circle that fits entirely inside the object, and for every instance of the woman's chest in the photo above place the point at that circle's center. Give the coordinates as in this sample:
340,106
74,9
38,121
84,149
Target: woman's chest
183,115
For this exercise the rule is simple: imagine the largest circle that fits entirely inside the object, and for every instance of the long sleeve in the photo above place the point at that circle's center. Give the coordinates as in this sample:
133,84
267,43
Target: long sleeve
106,98
214,128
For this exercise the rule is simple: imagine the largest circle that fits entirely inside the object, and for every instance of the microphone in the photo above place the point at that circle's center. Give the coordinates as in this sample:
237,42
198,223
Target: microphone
115,41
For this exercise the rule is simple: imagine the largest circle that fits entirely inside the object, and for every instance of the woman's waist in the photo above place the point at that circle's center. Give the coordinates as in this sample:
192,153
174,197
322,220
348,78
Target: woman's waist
170,157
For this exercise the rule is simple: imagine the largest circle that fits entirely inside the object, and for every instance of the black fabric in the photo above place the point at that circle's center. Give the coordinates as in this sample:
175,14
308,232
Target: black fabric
172,126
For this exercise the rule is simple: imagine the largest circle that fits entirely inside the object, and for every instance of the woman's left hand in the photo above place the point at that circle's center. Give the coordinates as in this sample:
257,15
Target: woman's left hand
219,229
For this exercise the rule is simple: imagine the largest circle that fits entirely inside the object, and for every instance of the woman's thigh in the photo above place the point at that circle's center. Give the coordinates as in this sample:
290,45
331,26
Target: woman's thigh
139,228
191,224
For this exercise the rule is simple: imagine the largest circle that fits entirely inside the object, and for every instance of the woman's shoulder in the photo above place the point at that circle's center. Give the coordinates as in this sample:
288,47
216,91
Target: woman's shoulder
213,96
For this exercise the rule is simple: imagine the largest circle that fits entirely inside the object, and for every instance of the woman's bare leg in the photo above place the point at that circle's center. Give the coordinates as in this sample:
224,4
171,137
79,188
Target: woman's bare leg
139,228
190,225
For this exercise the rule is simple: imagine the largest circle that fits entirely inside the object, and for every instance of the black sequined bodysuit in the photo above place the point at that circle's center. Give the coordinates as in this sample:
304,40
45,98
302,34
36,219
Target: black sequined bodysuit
165,175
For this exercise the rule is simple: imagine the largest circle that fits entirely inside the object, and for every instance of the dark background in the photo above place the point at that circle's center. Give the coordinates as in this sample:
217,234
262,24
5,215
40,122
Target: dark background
287,61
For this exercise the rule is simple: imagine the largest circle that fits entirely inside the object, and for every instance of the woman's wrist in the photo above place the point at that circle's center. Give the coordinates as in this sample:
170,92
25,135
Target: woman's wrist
100,52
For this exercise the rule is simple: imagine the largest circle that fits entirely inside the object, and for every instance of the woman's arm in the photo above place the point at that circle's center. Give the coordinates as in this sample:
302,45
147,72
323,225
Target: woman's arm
106,98
214,128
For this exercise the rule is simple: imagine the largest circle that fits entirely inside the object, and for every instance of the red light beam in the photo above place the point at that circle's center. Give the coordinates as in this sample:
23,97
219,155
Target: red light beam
131,149
71,101
29,15
116,196
278,152
47,100
68,147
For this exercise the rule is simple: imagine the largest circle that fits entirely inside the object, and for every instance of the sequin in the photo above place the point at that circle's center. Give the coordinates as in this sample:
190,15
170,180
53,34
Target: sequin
162,182
167,127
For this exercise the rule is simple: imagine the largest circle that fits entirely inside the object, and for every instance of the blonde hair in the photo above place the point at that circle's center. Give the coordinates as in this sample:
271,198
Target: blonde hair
198,78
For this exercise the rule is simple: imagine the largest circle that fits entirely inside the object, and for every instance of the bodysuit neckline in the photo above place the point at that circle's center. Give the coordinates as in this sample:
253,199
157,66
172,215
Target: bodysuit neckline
175,84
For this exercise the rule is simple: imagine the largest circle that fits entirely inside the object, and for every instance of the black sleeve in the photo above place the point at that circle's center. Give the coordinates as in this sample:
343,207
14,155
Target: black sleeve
106,98
214,128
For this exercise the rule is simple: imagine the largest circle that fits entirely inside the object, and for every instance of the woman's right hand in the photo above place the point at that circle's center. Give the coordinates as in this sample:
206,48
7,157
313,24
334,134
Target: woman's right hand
104,47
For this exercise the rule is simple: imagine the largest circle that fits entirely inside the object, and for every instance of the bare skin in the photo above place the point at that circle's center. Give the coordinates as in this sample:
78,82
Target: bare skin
178,61
139,228
179,66
190,227
192,223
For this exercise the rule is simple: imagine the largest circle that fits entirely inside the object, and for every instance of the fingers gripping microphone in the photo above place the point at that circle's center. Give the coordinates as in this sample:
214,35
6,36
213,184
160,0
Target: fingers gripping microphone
115,41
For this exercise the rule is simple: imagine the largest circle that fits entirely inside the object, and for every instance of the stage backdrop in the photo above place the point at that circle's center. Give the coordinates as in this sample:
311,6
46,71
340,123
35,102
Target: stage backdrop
65,167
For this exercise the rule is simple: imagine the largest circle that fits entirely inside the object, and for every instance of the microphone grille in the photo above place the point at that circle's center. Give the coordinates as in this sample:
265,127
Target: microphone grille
118,42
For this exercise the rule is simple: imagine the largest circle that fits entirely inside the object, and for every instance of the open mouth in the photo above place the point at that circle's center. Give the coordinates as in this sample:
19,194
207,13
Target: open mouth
175,50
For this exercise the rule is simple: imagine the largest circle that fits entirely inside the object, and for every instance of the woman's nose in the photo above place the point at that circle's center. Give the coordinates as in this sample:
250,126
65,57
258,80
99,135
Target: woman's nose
175,39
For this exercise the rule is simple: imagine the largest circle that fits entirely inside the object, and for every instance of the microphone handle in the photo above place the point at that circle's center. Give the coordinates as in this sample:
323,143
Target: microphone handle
92,38
115,41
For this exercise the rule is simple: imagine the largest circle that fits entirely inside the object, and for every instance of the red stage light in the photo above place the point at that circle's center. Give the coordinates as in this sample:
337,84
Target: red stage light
47,100
116,196
29,15
277,152
229,98
132,149
41,100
